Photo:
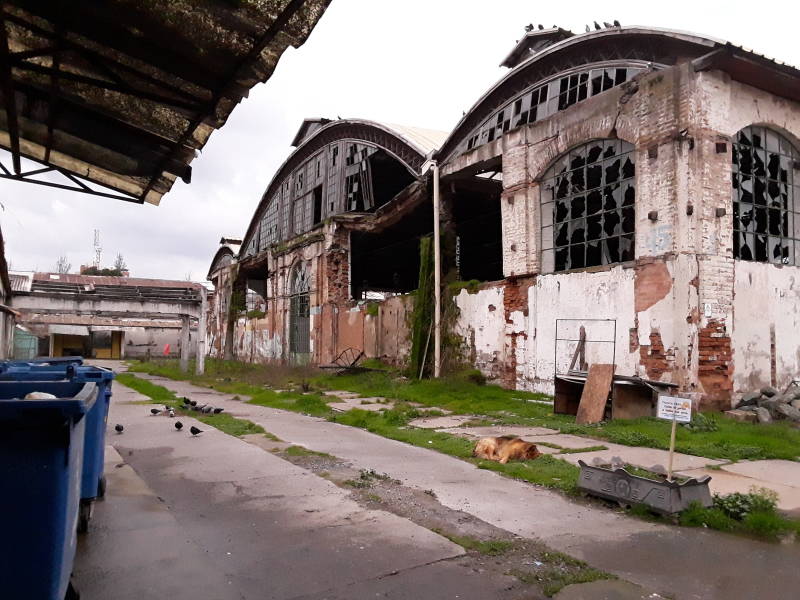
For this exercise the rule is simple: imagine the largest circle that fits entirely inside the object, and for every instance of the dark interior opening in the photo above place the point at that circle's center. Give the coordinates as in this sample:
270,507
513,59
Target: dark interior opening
388,261
389,177
478,228
317,204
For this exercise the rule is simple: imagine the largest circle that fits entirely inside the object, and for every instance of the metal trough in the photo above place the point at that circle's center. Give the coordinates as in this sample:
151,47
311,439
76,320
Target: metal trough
666,497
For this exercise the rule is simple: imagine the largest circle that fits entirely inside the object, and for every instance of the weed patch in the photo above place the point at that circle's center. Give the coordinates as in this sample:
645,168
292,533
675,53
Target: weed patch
579,450
487,548
230,424
301,451
557,570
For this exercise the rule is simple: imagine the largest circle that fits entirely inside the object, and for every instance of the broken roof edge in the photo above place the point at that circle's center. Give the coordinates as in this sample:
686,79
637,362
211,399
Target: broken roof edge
399,132
221,251
511,59
708,42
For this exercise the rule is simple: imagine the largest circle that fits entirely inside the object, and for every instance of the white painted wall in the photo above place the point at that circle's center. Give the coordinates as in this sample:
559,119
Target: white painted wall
765,297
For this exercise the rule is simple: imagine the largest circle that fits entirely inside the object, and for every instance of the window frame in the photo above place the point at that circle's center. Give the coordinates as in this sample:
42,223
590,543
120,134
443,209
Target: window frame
587,207
785,218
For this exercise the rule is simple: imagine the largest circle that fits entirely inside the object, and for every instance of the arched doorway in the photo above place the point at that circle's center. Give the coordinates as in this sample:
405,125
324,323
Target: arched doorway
299,320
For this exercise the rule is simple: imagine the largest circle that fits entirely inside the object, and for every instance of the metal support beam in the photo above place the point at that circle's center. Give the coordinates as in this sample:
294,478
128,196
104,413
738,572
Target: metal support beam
185,343
200,355
7,85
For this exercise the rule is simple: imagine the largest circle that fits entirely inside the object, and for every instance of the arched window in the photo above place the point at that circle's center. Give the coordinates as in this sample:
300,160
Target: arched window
588,212
298,281
766,185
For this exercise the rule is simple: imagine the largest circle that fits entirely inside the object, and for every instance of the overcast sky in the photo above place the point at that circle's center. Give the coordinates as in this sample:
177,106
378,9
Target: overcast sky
413,62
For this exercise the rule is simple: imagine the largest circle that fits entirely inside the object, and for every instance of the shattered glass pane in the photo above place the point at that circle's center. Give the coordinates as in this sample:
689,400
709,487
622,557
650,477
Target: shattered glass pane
577,231
594,255
576,256
626,248
594,202
594,228
762,253
578,207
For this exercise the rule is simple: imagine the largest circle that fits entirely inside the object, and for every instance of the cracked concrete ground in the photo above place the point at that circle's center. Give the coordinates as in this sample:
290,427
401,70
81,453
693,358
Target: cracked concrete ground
215,517
676,562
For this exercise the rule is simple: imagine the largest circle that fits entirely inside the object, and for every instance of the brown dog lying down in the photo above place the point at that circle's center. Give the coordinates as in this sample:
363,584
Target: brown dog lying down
505,448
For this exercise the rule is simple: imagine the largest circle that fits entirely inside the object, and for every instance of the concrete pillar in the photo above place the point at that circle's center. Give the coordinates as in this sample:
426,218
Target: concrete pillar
200,352
184,343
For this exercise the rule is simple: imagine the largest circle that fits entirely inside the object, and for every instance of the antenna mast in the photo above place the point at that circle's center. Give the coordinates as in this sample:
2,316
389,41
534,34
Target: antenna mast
98,249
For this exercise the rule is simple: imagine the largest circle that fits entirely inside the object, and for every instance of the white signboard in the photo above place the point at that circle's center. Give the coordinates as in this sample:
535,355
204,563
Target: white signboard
679,409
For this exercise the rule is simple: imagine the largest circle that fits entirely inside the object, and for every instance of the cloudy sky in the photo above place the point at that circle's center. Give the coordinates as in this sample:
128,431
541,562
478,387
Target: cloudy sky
413,62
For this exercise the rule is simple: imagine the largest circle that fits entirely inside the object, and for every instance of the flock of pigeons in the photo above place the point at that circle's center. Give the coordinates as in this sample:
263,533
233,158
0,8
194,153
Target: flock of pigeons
597,27
187,405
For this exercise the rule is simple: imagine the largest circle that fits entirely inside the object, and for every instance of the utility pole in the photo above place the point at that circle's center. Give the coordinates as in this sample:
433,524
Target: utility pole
437,278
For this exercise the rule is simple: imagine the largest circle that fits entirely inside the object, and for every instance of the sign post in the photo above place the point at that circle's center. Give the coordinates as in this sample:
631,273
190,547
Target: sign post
677,410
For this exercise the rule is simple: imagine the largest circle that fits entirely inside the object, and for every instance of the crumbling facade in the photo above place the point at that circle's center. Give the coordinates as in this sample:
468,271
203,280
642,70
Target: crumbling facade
636,189
337,230
61,314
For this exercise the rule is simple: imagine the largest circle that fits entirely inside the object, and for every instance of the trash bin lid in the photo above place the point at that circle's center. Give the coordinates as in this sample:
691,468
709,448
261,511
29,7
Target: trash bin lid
73,405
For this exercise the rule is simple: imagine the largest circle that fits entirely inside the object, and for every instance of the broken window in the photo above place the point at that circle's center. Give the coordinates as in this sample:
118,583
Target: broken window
543,100
302,214
269,223
588,212
766,181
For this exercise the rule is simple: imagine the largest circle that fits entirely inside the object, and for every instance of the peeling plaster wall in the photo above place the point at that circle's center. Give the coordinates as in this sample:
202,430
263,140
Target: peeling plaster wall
481,323
766,306
336,322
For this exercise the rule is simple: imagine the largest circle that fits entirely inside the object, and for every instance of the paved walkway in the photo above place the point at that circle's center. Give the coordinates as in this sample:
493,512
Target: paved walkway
677,562
213,517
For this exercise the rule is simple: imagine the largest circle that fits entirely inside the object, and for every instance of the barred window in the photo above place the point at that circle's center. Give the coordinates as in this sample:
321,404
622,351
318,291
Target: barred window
588,212
766,184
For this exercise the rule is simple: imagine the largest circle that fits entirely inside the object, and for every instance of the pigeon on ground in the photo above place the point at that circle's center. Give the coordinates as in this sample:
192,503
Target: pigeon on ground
195,430
218,410
178,425
208,409
171,413
193,402
167,408
155,411
118,428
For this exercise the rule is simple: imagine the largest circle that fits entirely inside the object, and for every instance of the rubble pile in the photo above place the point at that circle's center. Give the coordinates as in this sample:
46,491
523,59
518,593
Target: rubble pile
767,405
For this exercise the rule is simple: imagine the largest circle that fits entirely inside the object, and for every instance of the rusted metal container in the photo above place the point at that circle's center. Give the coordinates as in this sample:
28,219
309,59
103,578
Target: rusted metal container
666,497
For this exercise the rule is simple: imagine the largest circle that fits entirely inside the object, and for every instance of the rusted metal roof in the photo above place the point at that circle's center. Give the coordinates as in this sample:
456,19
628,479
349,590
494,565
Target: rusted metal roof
96,280
124,93
21,282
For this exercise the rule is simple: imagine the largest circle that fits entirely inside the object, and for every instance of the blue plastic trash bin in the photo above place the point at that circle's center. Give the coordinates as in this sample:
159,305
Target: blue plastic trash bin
41,461
92,479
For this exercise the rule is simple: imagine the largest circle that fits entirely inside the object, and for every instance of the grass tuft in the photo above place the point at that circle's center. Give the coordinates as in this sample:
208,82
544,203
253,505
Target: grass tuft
485,547
301,451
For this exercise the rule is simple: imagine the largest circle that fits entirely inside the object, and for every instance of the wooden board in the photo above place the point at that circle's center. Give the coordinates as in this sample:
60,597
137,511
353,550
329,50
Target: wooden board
632,401
595,394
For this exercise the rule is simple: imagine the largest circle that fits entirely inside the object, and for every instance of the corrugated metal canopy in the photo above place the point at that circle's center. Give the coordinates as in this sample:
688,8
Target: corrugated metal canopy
123,93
